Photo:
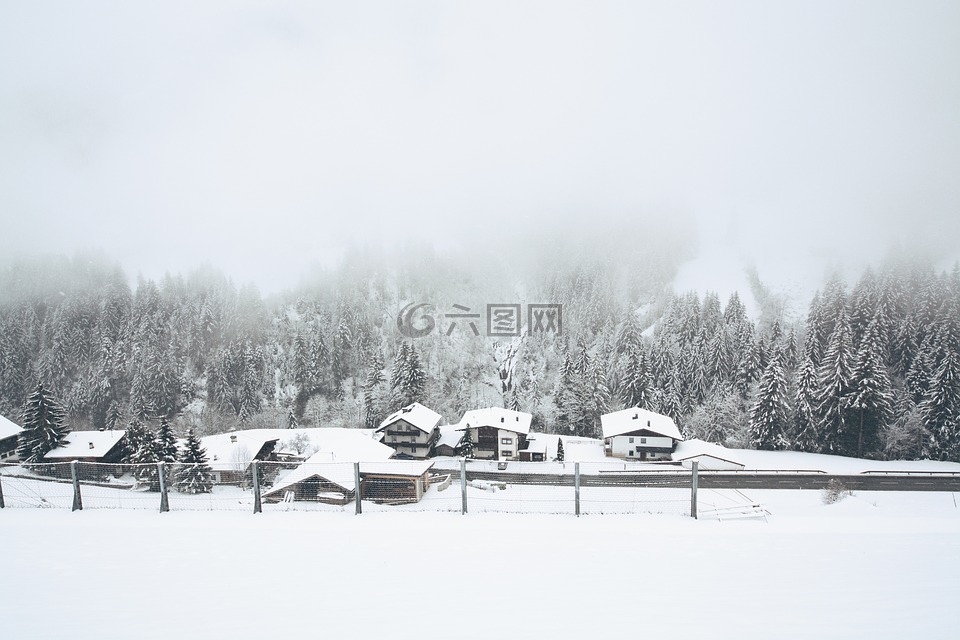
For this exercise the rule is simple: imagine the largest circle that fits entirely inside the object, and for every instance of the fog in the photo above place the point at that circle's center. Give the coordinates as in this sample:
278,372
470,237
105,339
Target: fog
268,138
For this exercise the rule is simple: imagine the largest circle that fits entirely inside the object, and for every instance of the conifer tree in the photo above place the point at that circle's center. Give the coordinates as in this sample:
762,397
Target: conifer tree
194,474
166,443
870,393
44,426
940,409
560,453
465,447
408,379
806,420
833,390
145,459
768,418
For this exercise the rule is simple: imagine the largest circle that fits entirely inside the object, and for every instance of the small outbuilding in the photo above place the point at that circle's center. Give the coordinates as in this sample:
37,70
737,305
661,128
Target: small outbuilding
387,482
708,456
450,437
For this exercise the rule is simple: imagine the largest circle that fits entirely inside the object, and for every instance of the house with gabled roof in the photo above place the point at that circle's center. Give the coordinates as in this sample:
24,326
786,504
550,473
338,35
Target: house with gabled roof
88,446
496,433
639,434
9,432
449,441
231,454
412,431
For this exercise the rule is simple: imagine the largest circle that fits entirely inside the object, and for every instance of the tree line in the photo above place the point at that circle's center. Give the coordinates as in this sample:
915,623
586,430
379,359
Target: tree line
870,370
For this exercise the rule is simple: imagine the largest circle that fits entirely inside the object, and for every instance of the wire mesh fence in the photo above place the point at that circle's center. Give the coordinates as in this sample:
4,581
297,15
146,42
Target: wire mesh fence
464,486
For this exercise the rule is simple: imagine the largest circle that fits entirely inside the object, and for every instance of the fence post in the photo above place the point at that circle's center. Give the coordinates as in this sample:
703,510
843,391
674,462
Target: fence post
164,502
77,501
357,493
257,506
693,488
576,485
2,504
463,486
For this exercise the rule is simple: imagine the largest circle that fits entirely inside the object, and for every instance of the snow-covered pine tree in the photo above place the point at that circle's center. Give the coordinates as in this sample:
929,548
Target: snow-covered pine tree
408,379
833,389
560,453
465,446
194,474
806,420
44,426
372,392
768,417
940,409
638,391
166,443
145,458
870,394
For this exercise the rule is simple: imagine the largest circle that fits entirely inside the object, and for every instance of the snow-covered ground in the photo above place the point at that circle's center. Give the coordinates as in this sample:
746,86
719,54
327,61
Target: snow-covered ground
874,565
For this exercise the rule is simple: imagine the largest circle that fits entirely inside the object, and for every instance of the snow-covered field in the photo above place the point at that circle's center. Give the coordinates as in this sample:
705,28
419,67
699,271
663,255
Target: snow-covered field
874,565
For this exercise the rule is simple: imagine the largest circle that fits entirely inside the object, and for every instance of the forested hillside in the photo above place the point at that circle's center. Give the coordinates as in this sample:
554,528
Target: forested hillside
872,370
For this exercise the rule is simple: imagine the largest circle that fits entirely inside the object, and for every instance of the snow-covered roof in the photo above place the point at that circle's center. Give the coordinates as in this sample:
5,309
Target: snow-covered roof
411,468
536,443
450,435
516,421
339,473
630,420
692,449
416,414
85,444
342,473
8,428
330,444
234,450
337,444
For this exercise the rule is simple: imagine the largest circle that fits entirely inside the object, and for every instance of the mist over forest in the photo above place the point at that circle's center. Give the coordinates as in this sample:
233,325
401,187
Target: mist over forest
871,367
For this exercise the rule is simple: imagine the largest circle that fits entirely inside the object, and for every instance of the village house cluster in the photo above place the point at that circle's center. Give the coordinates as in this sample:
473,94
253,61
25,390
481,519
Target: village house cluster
398,458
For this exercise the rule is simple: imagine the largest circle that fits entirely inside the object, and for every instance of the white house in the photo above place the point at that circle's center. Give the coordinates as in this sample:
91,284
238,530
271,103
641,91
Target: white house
707,455
412,431
638,434
496,433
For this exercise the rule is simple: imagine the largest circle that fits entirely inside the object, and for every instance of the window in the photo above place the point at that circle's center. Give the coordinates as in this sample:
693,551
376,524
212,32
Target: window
631,452
506,440
507,454
631,440
643,441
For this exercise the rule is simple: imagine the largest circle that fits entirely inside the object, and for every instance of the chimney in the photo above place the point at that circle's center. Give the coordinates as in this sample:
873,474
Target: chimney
233,437
636,415
501,418
648,423
91,444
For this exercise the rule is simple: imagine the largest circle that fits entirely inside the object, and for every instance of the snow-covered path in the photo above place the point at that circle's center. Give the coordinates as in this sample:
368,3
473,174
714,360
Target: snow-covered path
874,565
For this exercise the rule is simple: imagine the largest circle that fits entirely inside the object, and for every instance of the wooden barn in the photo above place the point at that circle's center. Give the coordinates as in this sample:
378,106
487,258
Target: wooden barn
386,482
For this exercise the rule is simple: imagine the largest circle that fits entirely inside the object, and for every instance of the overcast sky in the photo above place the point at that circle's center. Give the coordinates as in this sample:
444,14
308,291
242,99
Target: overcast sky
263,137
